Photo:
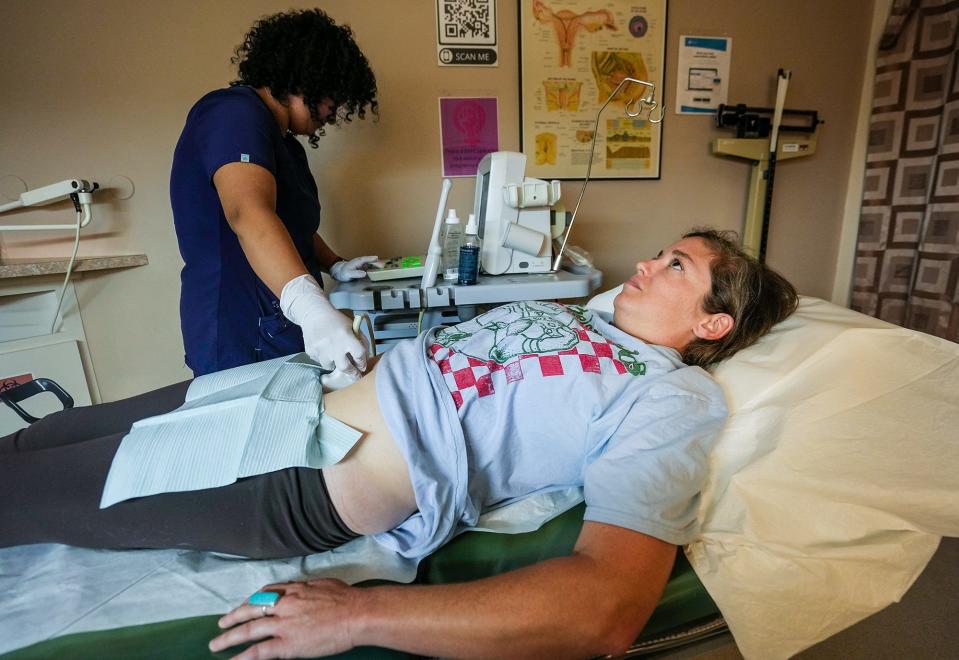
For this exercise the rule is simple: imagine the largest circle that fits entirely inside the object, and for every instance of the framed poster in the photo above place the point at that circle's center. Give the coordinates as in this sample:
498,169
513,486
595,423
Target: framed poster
573,54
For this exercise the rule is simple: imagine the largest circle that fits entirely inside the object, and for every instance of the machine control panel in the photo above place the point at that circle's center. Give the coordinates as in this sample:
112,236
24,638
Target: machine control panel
396,268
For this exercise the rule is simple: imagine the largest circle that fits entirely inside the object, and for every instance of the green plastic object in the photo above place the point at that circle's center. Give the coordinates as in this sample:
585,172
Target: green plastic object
183,639
467,557
481,554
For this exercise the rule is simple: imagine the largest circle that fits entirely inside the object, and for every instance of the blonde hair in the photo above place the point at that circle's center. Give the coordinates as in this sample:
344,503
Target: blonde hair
756,296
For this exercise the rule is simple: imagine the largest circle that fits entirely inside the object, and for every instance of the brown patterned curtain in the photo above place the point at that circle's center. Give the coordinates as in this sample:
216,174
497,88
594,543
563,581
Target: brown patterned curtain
907,253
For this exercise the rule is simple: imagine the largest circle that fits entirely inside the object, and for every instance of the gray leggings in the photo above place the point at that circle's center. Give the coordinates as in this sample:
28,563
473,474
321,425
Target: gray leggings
52,475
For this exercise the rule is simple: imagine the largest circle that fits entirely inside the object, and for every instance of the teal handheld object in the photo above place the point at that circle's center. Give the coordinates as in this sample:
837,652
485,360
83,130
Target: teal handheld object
264,598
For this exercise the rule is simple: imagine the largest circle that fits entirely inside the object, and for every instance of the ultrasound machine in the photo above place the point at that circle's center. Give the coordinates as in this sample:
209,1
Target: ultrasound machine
518,220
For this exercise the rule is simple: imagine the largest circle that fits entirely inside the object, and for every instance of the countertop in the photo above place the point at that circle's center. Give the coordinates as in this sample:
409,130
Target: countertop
32,266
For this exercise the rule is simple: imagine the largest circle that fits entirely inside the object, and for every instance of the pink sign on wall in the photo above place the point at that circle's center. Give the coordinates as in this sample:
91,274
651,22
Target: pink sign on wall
469,129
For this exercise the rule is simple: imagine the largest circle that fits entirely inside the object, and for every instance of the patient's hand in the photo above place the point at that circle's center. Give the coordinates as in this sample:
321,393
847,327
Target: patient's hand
310,619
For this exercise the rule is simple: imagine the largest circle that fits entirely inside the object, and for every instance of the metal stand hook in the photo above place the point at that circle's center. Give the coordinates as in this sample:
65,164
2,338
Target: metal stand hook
632,109
636,109
662,113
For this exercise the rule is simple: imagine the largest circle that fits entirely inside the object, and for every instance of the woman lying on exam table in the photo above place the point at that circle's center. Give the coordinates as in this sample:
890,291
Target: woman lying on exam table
526,398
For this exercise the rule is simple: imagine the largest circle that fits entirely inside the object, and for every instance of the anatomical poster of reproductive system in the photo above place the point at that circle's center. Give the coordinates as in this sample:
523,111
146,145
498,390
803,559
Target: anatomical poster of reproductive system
573,55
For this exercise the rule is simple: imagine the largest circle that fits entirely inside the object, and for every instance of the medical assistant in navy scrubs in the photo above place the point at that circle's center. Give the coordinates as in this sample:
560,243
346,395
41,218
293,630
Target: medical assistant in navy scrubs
245,203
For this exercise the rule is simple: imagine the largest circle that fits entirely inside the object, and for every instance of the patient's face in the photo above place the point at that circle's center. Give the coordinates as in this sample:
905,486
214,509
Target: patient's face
662,303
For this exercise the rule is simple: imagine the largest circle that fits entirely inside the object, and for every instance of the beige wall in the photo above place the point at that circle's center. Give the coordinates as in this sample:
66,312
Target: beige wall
101,89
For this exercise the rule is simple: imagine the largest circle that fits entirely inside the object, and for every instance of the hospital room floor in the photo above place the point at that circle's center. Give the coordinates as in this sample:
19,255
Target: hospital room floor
922,625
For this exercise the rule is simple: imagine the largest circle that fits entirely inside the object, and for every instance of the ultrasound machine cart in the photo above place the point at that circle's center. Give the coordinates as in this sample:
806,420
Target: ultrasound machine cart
399,309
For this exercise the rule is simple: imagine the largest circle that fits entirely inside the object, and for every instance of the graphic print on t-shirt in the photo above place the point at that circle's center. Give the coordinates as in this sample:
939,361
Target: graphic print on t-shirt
521,339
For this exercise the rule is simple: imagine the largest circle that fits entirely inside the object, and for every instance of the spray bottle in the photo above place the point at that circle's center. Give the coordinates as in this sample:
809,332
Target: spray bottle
470,254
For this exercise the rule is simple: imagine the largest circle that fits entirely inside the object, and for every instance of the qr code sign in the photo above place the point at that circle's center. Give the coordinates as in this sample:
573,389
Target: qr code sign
467,22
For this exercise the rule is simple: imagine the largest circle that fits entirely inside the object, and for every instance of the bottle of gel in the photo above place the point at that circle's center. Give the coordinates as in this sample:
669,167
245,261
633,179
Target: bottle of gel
469,254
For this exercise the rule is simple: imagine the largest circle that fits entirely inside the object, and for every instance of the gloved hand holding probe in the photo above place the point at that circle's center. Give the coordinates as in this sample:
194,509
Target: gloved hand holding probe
327,334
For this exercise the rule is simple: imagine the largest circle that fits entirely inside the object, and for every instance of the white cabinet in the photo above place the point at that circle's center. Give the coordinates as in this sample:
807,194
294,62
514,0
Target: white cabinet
29,348
29,289
59,361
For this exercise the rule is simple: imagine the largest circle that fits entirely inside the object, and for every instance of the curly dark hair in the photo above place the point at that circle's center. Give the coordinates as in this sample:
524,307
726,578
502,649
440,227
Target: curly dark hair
304,52
756,296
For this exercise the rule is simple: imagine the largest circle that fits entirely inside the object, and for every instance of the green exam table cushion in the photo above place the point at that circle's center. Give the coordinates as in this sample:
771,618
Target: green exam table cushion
467,557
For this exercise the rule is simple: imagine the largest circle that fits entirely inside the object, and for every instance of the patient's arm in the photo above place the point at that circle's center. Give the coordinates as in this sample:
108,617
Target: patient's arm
591,603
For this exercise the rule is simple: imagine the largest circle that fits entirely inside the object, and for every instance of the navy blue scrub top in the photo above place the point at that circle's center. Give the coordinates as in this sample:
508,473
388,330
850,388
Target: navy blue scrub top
228,316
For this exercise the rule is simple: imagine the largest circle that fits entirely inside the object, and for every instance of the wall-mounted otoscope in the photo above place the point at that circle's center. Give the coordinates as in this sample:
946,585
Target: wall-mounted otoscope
79,190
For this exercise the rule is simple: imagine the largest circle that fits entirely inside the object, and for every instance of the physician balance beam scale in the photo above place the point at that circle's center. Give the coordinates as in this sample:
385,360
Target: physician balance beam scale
758,141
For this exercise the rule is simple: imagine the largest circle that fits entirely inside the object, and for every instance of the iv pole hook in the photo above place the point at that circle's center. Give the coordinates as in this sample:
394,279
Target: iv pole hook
662,113
635,107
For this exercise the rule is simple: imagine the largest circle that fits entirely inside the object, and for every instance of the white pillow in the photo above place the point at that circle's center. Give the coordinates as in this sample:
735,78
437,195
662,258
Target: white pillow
834,478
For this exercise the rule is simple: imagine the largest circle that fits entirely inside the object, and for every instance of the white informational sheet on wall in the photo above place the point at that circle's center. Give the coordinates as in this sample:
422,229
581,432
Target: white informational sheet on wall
702,78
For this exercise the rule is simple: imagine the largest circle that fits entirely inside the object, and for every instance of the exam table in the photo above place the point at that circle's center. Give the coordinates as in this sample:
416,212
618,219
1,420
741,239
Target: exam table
685,613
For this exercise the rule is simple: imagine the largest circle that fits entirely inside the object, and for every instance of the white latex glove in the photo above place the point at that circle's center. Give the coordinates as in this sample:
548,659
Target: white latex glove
327,334
336,381
350,269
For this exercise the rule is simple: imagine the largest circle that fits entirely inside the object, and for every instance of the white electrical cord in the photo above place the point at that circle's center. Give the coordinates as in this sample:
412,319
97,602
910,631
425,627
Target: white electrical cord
73,259
357,323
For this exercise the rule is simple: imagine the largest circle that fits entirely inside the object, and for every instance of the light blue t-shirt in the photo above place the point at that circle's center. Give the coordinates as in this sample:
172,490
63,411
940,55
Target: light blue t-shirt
532,397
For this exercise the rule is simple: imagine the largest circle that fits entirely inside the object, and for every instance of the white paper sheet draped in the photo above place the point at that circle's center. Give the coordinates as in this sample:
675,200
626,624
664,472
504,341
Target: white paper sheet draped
236,423
834,479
